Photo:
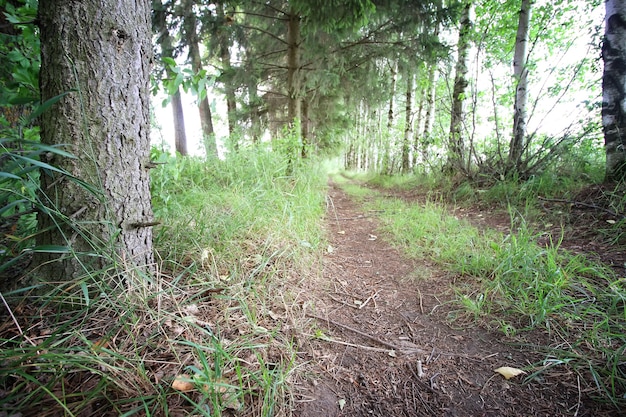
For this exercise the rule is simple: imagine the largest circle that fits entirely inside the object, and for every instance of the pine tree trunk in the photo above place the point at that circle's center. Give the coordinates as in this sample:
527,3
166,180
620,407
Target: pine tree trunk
101,49
294,109
204,109
231,102
456,148
520,74
614,90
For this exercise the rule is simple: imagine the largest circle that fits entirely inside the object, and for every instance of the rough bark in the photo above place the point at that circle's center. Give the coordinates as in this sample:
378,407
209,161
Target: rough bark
614,90
102,49
204,109
456,148
520,74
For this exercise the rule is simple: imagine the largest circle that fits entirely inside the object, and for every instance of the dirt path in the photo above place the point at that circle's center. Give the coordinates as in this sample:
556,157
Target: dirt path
385,348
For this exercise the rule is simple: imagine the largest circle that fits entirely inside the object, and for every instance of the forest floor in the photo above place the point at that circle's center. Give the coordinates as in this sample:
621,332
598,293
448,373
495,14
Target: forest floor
386,345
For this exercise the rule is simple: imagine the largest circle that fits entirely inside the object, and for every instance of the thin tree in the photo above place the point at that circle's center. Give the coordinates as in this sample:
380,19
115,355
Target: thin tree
456,146
164,39
193,43
520,74
614,89
100,50
408,123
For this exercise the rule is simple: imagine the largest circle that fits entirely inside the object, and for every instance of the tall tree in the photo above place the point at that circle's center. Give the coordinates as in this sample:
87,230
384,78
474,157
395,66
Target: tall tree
101,50
456,146
165,41
224,42
614,89
408,123
520,75
294,106
193,44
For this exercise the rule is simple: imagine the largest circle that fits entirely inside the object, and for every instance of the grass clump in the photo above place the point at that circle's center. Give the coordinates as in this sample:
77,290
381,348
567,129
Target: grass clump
516,284
235,237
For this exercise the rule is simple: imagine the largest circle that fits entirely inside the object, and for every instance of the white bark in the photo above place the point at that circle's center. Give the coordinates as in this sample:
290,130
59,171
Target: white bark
520,74
614,89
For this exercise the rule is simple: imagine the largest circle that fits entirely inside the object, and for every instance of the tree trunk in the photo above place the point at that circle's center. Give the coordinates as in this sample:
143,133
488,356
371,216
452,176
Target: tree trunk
167,51
204,109
408,127
231,102
456,146
180,137
430,111
614,90
386,163
102,49
520,74
304,126
294,109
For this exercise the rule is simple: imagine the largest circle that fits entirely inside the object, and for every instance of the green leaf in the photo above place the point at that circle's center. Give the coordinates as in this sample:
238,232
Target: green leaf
11,205
46,105
169,61
53,149
9,175
83,287
51,249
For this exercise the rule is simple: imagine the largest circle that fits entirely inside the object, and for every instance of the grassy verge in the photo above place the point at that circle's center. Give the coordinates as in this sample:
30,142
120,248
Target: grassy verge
509,282
211,334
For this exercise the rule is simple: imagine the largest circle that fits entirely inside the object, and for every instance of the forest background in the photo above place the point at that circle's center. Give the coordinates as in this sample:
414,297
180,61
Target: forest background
489,102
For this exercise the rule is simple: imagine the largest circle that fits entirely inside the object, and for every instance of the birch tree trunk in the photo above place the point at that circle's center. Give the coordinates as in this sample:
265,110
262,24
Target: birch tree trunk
408,127
614,90
456,148
520,74
386,161
102,49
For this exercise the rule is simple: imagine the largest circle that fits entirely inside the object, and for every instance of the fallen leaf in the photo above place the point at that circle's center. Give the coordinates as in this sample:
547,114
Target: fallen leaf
330,249
392,353
342,404
182,383
611,221
508,372
341,232
372,237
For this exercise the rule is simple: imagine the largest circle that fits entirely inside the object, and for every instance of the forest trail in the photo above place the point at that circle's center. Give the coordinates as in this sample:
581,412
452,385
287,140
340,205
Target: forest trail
384,346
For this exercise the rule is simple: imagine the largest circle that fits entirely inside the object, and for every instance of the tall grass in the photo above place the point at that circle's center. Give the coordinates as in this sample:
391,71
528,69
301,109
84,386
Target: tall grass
234,237
510,282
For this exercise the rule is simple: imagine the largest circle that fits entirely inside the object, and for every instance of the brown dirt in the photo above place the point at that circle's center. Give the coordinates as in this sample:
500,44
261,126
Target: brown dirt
386,347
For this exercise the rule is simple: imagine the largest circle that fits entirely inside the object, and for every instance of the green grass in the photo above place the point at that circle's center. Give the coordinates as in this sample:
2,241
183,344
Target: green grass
509,282
235,237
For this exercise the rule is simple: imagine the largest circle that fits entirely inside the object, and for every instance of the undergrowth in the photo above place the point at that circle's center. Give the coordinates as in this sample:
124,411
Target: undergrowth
512,283
207,334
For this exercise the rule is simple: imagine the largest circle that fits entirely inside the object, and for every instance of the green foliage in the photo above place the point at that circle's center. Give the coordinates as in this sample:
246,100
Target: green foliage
513,283
214,205
19,53
198,83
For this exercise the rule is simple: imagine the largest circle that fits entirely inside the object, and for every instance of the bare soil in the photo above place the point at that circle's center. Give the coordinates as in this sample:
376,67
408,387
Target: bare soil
386,345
